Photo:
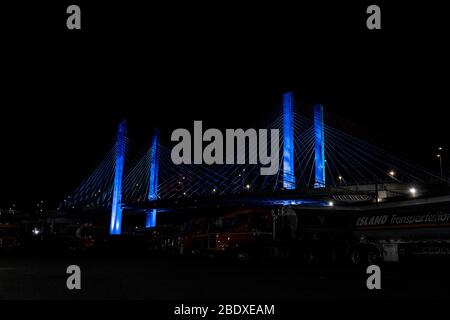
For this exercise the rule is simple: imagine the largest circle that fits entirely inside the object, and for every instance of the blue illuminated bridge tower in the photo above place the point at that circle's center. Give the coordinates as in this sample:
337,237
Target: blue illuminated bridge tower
116,210
288,141
153,188
319,147
288,144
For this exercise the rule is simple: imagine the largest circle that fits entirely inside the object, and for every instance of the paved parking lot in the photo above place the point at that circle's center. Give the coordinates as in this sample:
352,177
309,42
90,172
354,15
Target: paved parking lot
134,276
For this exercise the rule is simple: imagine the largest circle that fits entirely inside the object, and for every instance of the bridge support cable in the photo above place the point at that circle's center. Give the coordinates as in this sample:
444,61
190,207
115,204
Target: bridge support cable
370,161
304,154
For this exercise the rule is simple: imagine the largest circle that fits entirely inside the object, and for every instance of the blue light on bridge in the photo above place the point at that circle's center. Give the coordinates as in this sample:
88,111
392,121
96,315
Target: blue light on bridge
116,212
153,189
288,141
303,202
319,146
151,218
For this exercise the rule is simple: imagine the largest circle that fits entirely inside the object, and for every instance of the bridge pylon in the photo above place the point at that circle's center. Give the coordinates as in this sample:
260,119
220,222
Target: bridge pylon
150,220
319,147
116,210
288,141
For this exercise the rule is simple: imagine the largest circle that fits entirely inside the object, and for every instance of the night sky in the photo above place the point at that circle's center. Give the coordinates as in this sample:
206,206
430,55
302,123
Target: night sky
64,92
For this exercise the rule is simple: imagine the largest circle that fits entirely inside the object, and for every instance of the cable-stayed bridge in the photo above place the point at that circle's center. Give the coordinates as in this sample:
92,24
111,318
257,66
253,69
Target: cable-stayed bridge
315,158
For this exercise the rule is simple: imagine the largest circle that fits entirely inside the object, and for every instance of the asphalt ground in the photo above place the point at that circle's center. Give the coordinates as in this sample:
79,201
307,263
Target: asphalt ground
136,275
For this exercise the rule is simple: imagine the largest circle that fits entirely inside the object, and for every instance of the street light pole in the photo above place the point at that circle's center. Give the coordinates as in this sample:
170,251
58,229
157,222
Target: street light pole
376,192
439,155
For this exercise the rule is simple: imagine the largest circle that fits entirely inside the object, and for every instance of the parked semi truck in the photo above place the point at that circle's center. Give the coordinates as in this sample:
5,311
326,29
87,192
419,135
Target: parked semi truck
311,236
363,234
408,230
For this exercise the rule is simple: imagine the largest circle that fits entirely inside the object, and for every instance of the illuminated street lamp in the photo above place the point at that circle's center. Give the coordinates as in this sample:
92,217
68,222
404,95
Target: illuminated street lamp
413,191
392,173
